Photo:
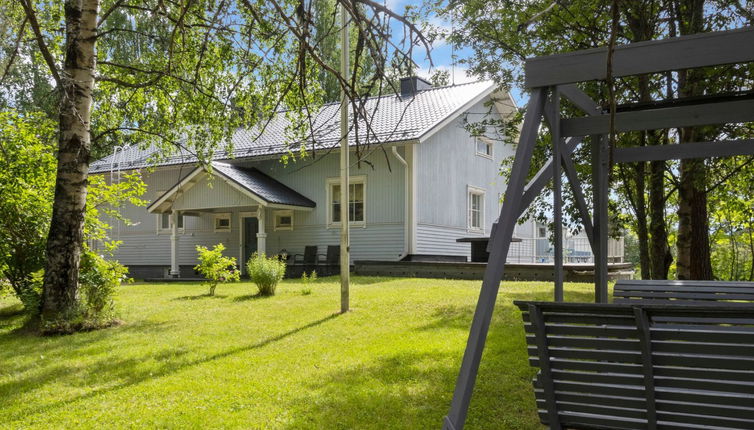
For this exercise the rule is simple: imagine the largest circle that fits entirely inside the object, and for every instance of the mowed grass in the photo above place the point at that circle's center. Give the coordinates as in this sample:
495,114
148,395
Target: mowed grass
184,360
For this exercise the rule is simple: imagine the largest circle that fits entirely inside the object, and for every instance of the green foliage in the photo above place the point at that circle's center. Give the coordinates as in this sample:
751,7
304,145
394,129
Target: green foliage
216,267
27,181
99,280
27,186
307,280
265,272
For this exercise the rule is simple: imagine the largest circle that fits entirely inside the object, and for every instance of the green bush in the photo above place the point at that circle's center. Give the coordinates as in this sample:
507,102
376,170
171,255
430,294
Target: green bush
30,293
265,272
216,267
99,280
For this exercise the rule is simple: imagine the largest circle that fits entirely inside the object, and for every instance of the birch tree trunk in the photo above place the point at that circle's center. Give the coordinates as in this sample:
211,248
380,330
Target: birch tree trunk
65,239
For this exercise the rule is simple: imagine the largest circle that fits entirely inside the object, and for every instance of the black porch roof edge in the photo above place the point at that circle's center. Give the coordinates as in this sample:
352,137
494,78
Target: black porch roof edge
260,184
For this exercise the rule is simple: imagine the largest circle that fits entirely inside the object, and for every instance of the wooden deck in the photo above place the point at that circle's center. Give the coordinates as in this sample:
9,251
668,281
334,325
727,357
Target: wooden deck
466,270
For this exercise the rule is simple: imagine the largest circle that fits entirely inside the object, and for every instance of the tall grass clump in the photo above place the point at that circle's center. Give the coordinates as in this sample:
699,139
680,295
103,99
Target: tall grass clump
265,272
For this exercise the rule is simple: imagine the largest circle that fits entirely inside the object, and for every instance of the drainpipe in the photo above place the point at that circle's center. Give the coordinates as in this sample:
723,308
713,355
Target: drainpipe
175,269
406,211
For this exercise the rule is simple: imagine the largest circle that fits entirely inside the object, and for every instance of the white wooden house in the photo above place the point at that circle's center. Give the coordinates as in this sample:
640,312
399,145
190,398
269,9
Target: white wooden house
426,183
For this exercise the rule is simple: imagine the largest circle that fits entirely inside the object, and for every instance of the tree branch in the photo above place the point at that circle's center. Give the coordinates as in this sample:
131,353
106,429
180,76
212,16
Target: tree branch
32,17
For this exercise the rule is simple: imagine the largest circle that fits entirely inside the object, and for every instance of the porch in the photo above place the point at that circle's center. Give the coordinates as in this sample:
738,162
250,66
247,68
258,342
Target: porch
232,196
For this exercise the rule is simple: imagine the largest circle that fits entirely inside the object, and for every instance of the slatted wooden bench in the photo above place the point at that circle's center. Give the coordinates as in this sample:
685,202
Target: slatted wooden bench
646,291
625,366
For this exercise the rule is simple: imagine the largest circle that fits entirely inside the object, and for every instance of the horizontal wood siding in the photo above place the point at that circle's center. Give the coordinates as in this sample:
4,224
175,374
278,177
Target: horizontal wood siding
441,240
382,237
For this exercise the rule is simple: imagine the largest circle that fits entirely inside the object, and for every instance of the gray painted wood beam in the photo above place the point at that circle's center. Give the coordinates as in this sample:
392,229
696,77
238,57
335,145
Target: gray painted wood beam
723,148
544,174
557,194
580,99
500,244
651,119
677,53
578,194
573,180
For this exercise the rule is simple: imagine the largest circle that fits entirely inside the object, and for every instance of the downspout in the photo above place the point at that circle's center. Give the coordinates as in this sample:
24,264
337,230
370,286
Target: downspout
406,211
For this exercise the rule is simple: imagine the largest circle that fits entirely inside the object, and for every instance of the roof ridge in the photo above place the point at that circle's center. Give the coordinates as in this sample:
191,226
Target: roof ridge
398,95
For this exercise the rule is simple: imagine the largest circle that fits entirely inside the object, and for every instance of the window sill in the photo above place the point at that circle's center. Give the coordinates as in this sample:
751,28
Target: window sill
489,157
359,224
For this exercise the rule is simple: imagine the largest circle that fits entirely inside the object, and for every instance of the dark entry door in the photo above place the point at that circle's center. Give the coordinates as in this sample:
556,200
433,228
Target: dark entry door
250,229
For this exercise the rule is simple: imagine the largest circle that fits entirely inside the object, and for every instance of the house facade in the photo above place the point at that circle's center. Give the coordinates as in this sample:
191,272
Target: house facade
425,182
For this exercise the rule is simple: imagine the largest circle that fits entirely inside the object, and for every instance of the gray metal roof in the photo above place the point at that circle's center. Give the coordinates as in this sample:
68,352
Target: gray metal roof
391,119
261,185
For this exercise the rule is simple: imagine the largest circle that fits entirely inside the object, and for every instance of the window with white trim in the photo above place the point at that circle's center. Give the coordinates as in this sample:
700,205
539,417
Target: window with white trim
164,221
356,197
541,231
476,209
483,146
222,222
283,220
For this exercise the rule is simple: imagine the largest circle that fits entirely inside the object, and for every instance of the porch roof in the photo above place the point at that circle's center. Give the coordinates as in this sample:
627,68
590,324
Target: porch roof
249,181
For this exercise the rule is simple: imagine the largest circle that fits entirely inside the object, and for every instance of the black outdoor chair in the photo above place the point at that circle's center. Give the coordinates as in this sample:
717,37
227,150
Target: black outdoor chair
309,257
333,255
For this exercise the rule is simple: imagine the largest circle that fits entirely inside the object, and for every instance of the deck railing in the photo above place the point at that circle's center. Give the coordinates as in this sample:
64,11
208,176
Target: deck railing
575,250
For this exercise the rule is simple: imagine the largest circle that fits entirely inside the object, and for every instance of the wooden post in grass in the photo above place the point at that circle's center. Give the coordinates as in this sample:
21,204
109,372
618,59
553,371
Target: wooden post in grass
345,258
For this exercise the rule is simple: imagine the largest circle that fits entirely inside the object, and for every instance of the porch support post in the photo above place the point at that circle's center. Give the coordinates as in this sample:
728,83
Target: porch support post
261,232
241,263
175,270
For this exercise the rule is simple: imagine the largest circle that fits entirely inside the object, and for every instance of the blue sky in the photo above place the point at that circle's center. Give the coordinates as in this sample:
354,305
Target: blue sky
442,53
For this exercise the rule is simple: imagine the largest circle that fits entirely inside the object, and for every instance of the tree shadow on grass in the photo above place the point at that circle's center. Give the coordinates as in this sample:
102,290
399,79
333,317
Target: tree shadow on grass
247,297
201,296
410,390
128,371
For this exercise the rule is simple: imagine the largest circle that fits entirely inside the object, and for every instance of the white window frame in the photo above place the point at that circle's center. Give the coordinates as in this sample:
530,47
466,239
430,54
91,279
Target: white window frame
361,179
470,190
220,216
276,220
159,226
488,144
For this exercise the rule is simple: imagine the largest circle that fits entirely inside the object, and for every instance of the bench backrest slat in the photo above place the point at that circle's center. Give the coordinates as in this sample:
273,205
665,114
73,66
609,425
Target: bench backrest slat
657,292
691,367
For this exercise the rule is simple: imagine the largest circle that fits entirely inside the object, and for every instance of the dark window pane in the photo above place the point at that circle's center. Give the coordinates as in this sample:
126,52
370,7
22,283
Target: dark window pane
335,212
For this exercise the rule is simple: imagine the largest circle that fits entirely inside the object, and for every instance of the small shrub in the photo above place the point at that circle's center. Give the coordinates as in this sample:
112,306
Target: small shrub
265,272
216,267
307,280
30,293
99,280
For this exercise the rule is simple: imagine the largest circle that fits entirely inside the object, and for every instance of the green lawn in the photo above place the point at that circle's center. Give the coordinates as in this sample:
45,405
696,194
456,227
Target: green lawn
184,360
